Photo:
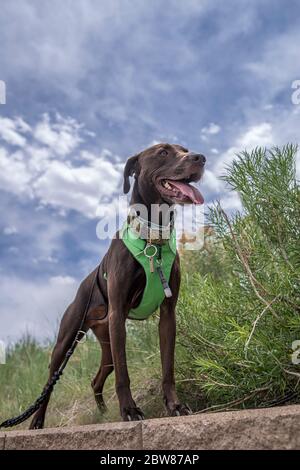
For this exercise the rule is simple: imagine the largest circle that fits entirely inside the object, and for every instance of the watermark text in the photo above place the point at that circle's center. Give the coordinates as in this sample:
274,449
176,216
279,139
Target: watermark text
2,92
295,97
2,353
156,222
296,352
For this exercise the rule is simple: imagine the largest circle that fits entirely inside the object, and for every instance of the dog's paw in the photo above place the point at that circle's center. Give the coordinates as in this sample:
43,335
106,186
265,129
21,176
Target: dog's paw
37,423
179,409
132,414
100,402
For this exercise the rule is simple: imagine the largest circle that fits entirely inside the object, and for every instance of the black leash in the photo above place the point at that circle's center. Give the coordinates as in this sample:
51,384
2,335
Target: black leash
57,374
165,284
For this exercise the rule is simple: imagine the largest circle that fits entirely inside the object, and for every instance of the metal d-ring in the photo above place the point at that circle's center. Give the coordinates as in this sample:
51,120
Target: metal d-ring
150,246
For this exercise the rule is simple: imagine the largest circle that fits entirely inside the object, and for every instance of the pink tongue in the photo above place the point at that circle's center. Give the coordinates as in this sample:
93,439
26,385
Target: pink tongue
189,191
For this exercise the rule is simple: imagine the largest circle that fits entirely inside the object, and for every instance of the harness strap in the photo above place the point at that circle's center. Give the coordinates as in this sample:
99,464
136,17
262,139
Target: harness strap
157,261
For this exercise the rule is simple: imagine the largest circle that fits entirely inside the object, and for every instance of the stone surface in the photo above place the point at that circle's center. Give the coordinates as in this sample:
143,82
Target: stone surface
272,428
110,436
2,441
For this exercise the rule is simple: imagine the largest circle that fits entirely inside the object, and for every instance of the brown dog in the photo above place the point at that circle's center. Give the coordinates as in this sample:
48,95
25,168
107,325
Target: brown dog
162,176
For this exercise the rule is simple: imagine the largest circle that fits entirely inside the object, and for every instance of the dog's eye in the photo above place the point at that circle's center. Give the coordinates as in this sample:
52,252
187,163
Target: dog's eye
163,153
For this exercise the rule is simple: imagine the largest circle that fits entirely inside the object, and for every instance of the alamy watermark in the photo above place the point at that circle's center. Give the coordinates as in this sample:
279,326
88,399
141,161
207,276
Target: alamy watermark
296,352
295,97
2,92
2,353
156,221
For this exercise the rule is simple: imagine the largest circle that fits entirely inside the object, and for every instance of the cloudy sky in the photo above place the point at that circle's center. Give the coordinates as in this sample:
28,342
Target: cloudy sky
89,83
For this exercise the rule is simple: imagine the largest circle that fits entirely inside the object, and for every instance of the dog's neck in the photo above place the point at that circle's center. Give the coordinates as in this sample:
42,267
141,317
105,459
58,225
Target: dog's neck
151,224
152,213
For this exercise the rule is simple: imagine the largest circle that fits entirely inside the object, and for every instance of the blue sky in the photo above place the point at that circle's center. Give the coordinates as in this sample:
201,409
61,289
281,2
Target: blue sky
89,83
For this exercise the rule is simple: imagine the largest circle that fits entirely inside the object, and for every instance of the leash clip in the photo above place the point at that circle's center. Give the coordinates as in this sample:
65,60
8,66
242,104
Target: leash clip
164,282
83,339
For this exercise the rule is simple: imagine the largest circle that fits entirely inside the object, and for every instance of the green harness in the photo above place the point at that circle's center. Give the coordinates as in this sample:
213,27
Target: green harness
151,257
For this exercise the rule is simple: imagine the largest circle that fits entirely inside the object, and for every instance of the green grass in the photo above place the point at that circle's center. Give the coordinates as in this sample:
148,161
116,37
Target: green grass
72,402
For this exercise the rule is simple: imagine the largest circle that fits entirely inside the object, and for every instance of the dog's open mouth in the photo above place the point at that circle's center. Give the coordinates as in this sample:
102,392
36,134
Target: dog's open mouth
180,191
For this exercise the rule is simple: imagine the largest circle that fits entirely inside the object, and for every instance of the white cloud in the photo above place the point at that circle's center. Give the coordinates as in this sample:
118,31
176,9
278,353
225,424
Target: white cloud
210,183
14,175
10,230
37,304
231,202
260,135
283,129
11,131
62,137
41,171
211,129
76,188
255,136
22,125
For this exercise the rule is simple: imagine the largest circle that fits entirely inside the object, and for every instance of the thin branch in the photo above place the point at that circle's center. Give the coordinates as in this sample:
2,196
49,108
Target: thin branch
252,279
283,252
255,323
292,373
224,406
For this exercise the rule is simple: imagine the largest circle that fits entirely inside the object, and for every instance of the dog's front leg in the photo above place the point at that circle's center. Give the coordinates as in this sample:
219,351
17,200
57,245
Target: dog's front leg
167,336
117,331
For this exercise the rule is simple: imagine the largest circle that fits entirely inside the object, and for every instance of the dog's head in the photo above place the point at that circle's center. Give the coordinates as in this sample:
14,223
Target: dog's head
163,174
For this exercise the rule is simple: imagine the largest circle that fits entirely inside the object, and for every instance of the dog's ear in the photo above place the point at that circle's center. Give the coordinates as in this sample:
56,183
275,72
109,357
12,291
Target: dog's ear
129,170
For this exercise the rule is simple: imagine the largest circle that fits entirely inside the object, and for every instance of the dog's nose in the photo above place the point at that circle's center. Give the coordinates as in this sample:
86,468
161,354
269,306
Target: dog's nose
196,158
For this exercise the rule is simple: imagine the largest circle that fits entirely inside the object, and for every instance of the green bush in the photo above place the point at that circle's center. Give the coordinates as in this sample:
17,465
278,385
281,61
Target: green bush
237,324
